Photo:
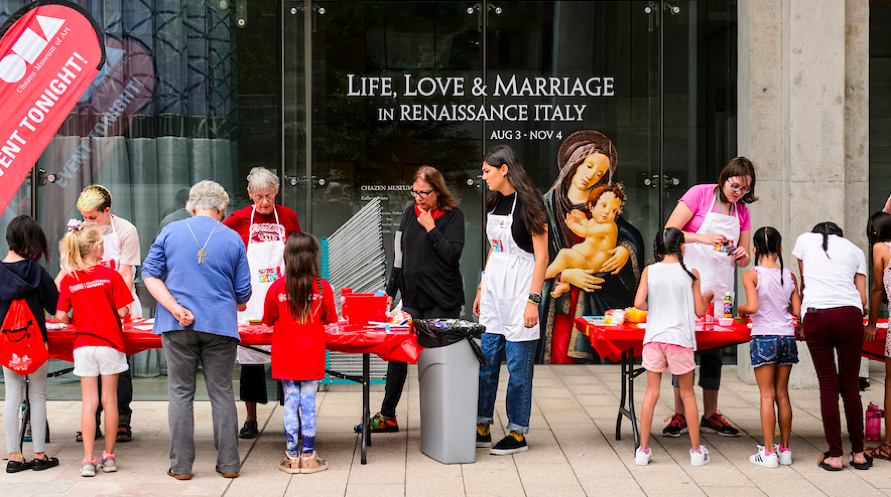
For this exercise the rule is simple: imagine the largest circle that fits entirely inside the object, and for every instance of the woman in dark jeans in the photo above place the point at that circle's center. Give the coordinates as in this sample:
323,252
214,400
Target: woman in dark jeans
426,272
833,287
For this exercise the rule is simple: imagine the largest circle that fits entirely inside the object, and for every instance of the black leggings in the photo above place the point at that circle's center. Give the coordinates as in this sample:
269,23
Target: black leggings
397,371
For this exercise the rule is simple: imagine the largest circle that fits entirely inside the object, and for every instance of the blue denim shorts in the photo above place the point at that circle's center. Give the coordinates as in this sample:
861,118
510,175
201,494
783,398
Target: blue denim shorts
773,349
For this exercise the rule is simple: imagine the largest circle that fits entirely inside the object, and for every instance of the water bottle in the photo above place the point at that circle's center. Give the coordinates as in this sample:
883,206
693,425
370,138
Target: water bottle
873,429
728,304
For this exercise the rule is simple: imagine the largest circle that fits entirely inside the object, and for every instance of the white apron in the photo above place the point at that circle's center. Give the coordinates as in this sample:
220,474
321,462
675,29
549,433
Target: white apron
266,260
508,279
112,258
715,266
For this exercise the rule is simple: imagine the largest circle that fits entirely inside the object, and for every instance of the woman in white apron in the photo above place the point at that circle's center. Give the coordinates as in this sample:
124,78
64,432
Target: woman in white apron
264,226
122,253
509,294
717,230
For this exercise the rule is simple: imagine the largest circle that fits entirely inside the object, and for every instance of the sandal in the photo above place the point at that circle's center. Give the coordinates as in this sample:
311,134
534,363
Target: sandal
822,464
80,436
863,466
879,452
125,434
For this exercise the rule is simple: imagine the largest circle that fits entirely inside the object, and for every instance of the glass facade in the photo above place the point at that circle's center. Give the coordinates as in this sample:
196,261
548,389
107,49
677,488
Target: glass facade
346,99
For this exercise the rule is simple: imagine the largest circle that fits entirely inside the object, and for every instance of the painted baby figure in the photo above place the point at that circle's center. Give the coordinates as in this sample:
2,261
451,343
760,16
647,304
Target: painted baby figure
600,234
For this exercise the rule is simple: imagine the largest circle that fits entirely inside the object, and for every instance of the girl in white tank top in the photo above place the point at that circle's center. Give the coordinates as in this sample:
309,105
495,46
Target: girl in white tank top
771,301
670,293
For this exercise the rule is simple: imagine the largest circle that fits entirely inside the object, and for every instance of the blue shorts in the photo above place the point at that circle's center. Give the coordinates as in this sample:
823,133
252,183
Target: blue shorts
773,349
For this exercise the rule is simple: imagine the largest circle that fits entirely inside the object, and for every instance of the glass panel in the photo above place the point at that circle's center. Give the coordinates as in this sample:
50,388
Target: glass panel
879,108
372,64
581,67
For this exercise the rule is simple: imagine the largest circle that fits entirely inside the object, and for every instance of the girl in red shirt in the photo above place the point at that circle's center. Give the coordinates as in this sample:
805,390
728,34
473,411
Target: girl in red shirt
98,298
298,306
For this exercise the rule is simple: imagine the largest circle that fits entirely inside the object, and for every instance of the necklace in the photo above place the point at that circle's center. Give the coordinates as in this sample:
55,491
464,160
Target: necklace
201,252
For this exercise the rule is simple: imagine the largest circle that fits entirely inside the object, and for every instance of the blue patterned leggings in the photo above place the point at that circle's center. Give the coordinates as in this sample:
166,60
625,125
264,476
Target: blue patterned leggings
300,395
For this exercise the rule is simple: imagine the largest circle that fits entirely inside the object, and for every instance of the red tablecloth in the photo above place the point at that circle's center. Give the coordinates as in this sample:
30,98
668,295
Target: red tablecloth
356,340
610,341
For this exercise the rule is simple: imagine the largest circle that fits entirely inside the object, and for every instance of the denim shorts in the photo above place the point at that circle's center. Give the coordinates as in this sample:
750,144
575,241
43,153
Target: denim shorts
773,349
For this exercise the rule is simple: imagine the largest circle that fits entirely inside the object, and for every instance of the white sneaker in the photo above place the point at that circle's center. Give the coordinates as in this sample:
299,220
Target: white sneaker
642,458
763,460
784,458
701,458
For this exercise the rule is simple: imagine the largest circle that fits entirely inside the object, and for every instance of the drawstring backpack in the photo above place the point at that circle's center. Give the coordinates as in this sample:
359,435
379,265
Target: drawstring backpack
21,344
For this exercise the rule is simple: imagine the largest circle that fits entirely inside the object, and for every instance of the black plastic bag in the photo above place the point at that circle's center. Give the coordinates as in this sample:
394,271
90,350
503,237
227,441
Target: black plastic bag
441,332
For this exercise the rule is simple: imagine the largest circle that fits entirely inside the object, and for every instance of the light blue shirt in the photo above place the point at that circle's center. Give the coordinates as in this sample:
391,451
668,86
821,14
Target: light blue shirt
211,291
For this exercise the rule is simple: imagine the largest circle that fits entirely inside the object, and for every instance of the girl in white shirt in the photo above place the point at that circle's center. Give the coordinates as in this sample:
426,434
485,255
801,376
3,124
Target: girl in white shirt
671,293
833,289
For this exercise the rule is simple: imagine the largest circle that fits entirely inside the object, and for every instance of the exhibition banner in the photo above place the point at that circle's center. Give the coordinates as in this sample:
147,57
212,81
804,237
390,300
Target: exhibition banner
50,52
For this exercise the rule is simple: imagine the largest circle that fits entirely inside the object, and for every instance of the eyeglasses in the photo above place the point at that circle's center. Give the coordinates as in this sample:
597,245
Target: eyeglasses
421,195
738,189
259,198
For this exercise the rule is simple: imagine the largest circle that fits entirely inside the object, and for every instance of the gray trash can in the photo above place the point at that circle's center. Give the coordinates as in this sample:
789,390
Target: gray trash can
449,389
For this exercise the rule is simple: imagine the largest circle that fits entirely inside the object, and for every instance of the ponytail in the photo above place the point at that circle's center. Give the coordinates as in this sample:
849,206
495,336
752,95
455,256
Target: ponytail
827,228
669,241
77,244
767,241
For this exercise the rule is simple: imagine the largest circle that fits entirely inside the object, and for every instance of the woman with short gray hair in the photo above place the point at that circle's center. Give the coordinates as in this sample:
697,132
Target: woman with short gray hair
206,281
264,227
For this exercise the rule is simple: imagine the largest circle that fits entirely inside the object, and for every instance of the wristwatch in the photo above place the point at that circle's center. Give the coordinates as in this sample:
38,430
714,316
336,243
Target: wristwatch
535,298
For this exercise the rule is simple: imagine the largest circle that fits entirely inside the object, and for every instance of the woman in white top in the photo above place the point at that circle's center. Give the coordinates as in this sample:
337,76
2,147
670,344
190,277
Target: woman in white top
833,289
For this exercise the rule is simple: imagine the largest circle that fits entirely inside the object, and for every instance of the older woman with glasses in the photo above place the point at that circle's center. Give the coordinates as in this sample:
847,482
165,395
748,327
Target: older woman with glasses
264,227
426,271
718,231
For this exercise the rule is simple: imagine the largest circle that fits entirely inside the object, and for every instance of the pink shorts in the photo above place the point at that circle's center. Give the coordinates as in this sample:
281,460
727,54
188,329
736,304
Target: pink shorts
658,356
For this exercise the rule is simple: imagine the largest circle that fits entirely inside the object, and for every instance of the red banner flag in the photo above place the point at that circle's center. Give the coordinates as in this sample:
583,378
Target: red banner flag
49,54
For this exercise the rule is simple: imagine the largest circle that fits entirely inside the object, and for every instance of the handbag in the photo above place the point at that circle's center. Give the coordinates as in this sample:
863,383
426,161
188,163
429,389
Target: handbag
21,344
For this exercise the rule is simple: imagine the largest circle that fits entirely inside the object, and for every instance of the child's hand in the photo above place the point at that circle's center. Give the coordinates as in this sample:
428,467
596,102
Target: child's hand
708,296
530,316
476,304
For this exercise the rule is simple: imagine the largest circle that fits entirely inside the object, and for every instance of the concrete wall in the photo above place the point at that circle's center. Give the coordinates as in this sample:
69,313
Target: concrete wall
804,122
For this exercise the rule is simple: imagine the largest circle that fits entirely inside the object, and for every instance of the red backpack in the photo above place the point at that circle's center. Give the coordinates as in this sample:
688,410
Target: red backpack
21,344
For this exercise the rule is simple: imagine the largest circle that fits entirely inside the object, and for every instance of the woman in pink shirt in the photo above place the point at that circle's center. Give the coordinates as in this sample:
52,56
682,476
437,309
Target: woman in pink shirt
717,229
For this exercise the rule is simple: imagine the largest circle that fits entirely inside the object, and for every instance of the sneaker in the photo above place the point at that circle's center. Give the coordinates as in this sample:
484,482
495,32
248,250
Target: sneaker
676,427
763,460
249,430
88,468
699,458
108,463
290,464
784,457
483,441
312,463
642,458
509,445
716,423
380,425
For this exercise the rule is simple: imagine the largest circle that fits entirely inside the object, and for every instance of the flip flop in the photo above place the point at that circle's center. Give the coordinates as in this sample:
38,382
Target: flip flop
862,466
80,436
822,464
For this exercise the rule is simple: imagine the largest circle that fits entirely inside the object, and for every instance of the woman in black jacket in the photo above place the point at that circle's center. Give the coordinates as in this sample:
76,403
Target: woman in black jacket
426,271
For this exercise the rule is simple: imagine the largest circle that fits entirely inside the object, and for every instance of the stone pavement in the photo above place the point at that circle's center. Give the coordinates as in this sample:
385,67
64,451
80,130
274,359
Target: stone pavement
572,452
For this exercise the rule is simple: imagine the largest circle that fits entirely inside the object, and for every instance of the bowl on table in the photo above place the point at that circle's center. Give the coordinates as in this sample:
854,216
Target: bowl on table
725,322
635,315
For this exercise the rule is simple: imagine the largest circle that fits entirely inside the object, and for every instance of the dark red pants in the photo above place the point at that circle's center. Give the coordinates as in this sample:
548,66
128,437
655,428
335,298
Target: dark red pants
840,330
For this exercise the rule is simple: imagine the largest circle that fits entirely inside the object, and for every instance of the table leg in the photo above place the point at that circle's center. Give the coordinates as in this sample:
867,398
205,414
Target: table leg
366,414
26,415
626,406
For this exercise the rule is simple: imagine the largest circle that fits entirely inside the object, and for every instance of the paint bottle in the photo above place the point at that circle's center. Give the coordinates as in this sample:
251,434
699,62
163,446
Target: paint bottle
873,429
710,316
728,304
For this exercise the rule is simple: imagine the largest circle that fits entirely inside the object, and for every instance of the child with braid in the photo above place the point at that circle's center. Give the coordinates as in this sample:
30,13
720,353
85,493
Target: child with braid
671,293
772,300
298,306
